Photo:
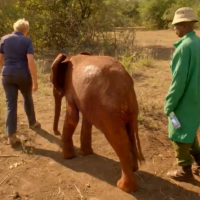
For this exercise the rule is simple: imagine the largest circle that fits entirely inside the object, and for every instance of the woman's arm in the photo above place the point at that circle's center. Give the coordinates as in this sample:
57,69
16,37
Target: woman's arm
32,68
1,60
31,65
1,54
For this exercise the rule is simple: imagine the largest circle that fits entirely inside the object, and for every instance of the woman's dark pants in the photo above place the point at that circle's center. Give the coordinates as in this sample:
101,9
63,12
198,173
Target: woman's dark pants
11,85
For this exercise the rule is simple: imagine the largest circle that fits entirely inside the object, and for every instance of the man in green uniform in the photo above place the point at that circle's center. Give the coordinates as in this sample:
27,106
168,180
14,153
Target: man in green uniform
183,97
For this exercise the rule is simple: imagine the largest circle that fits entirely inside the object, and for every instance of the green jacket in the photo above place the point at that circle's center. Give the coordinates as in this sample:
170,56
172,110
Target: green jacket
183,97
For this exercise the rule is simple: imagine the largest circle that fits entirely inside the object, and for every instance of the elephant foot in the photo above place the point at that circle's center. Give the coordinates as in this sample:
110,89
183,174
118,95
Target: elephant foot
56,132
127,185
135,168
85,152
69,153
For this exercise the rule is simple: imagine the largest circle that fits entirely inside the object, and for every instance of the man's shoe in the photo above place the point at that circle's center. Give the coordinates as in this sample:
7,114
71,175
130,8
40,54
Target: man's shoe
196,169
183,174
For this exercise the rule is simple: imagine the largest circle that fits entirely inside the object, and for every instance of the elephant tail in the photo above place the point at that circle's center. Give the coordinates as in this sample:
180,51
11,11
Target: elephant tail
137,141
58,72
132,131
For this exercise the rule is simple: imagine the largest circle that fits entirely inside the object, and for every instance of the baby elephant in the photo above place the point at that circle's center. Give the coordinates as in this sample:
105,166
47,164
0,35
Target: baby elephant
102,90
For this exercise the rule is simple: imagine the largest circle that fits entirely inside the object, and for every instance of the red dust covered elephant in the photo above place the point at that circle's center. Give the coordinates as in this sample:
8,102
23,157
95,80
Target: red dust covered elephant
100,88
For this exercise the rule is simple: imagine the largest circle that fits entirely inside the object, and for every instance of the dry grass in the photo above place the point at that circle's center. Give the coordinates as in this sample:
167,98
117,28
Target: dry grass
136,60
140,59
151,113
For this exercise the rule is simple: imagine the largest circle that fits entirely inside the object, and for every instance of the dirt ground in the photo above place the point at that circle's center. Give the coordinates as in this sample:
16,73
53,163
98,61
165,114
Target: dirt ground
36,170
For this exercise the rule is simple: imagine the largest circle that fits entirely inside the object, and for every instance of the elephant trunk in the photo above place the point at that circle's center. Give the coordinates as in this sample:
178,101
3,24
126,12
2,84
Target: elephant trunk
58,100
57,78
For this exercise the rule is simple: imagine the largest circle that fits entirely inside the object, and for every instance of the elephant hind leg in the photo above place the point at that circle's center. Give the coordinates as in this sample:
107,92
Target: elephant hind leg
118,138
86,138
70,124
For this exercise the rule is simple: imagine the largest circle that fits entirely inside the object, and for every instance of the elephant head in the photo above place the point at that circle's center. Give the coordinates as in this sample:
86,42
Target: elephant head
57,78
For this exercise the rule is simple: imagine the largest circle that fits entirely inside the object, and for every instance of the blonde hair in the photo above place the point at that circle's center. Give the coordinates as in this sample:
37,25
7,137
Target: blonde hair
21,25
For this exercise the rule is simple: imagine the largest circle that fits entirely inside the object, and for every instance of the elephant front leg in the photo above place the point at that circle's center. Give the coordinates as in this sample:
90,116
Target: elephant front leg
71,121
86,138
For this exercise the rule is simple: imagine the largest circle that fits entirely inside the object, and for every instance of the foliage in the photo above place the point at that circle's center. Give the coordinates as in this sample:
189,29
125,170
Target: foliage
151,13
158,14
64,24
84,25
169,13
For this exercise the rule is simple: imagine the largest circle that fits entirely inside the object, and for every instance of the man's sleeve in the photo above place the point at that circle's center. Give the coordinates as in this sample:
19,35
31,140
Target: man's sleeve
1,46
181,65
30,48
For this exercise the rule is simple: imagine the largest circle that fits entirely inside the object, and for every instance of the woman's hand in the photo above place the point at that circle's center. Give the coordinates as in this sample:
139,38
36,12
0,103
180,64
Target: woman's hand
32,68
35,86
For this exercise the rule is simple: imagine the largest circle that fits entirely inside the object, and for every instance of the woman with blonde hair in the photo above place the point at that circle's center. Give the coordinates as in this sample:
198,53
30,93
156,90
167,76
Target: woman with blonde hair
18,73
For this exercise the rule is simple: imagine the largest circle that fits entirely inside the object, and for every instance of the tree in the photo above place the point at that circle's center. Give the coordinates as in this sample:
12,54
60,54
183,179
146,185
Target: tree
152,11
169,13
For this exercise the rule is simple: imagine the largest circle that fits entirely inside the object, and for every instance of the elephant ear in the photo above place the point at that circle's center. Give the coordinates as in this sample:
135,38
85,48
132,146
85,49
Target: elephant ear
58,72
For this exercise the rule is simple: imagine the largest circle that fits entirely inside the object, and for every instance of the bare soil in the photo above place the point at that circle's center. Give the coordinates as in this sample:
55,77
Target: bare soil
36,170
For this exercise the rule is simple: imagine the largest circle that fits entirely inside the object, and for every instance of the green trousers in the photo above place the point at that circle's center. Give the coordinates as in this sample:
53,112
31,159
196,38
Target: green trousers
184,152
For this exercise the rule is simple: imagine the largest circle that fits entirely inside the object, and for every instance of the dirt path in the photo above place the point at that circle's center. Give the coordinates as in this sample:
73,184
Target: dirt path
40,172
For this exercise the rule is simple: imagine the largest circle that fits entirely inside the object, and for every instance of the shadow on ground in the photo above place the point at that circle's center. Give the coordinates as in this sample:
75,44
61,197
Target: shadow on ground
151,187
51,138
